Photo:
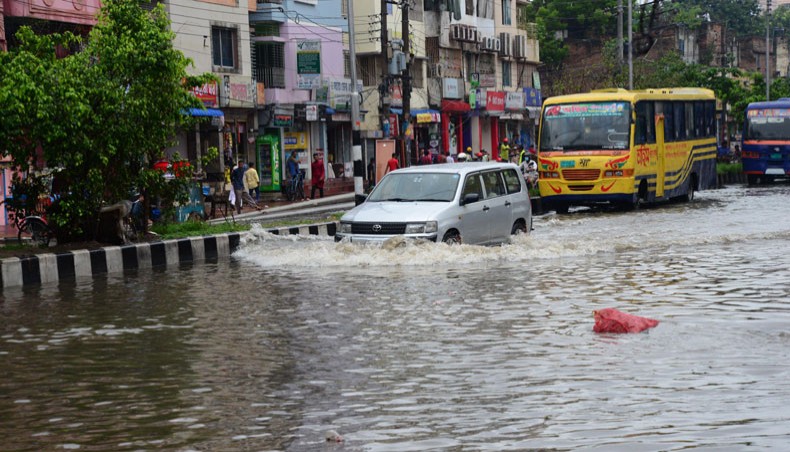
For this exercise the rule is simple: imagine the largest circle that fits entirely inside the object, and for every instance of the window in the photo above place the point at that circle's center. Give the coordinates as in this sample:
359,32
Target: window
679,111
270,64
665,108
494,185
645,126
512,181
470,7
346,64
415,71
506,81
506,13
223,47
473,186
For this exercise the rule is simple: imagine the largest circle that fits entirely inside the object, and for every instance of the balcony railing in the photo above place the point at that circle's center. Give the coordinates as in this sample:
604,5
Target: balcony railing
272,77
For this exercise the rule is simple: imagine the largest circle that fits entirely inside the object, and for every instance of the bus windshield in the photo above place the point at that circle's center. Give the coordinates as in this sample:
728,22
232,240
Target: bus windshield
768,124
586,126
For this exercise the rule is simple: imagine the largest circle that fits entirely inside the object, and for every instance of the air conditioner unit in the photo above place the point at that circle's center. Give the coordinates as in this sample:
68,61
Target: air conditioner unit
520,46
504,39
497,45
471,34
458,32
486,43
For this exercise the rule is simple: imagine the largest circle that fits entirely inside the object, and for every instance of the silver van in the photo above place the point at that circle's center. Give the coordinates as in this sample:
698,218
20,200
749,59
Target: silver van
474,203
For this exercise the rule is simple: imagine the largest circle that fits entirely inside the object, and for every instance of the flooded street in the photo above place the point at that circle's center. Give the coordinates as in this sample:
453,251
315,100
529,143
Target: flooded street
415,347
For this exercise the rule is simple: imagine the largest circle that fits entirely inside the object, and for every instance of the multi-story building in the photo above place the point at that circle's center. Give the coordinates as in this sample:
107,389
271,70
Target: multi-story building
300,62
215,34
473,72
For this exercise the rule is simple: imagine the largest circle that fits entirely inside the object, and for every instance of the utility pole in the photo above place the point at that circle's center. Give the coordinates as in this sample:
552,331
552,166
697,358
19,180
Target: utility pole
356,141
620,34
768,50
631,47
406,74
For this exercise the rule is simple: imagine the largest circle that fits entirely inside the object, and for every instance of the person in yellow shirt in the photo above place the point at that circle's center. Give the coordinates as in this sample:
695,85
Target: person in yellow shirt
504,150
252,182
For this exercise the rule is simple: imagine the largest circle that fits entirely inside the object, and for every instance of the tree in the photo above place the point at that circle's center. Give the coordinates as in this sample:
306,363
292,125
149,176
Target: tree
99,118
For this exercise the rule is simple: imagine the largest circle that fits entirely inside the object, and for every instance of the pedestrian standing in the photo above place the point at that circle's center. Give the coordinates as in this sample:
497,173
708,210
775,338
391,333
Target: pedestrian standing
237,179
317,170
253,182
392,164
372,173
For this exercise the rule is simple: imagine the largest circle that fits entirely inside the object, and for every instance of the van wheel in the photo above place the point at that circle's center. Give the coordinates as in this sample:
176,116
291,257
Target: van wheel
452,238
519,227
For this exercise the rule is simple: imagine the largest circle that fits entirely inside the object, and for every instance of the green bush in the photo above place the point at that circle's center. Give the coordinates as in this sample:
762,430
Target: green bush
729,168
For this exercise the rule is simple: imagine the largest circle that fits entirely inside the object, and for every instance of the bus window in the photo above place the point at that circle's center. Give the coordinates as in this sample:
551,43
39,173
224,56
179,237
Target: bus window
665,108
710,119
679,112
699,119
690,122
642,121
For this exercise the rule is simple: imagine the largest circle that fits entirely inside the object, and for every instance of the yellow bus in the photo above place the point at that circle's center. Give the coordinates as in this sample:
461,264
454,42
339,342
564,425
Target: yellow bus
626,147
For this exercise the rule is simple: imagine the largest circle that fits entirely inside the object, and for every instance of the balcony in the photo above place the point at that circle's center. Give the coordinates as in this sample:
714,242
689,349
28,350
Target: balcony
271,77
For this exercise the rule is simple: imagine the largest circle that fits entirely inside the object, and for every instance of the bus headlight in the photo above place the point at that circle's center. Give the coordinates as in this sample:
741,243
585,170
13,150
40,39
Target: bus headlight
421,228
345,228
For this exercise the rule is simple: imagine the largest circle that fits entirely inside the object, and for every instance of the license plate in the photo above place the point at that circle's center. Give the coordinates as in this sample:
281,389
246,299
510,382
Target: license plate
568,164
776,156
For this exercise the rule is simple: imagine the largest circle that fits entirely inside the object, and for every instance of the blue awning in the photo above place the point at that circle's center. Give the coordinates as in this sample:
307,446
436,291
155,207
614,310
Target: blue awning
206,112
422,111
330,111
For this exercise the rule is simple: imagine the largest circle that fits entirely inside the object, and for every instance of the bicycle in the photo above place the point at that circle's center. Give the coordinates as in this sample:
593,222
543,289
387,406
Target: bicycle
296,187
32,227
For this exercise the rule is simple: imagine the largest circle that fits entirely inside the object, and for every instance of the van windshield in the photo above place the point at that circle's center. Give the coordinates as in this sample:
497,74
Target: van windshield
403,187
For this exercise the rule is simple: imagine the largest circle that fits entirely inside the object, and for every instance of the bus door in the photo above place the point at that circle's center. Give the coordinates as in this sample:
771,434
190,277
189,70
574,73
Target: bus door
660,147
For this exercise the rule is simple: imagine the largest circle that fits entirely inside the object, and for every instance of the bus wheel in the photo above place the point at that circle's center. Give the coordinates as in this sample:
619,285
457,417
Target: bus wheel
752,179
561,208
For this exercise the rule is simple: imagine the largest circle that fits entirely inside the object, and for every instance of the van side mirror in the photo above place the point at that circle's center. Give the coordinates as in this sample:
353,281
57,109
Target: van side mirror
469,198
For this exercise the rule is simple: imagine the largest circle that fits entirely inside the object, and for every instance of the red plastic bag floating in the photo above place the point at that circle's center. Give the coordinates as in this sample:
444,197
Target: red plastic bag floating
610,320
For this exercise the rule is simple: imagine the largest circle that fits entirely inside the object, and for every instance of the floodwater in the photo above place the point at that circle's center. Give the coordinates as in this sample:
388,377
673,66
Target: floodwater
415,347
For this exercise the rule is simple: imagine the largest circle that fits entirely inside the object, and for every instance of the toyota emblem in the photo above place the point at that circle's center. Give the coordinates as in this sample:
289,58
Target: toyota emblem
376,228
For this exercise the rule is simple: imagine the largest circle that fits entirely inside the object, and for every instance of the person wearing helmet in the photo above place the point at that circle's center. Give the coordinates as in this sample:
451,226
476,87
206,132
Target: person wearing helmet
504,150
464,156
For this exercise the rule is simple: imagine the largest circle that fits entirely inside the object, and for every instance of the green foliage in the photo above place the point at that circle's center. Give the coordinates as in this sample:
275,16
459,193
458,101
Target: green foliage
101,116
196,228
729,168
743,17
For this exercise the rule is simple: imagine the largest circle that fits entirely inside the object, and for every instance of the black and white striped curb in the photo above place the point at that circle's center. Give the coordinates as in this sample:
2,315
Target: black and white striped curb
47,268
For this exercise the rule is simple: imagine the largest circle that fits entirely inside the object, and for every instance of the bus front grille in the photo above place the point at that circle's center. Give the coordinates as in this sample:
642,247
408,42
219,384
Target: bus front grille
581,174
580,187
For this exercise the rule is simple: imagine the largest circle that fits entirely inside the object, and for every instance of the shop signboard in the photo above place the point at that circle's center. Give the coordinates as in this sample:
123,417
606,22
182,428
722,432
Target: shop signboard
487,80
308,64
396,94
295,140
495,101
283,121
206,93
339,92
514,100
532,97
311,112
480,98
423,118
451,89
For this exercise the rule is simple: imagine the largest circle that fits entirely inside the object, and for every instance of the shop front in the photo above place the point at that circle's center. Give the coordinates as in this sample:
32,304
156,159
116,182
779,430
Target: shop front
490,105
427,131
513,122
454,117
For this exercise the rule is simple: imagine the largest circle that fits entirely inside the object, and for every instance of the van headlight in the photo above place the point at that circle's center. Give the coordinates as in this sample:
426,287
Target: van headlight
345,228
422,228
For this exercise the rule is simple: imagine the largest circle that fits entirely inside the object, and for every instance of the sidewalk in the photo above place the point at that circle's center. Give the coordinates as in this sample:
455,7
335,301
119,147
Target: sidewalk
275,209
